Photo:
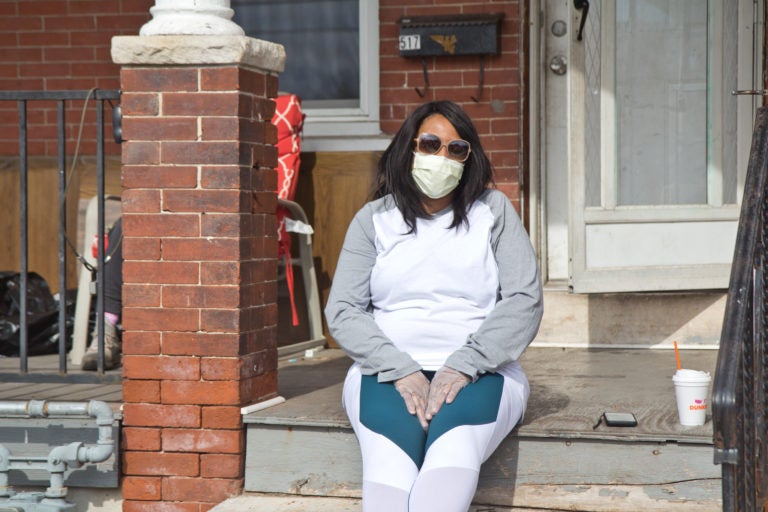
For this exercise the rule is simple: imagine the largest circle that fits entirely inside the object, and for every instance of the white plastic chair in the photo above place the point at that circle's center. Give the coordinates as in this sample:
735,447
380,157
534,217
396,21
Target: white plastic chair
83,304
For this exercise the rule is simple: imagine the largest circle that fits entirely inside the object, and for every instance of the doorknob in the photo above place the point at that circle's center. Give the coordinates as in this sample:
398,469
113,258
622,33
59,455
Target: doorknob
558,65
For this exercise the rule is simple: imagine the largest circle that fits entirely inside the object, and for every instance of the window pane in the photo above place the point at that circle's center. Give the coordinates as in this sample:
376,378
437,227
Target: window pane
661,103
592,98
321,40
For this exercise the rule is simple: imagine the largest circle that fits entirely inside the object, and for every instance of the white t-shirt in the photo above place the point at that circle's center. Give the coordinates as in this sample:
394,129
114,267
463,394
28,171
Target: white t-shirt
432,289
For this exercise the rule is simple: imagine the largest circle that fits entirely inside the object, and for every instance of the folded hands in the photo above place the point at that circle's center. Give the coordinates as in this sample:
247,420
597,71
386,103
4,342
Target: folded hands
424,399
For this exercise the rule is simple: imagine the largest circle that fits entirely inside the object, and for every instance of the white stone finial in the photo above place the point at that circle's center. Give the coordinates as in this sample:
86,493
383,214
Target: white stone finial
191,17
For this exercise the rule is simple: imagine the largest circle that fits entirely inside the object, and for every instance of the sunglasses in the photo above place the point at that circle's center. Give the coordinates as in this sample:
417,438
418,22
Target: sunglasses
430,144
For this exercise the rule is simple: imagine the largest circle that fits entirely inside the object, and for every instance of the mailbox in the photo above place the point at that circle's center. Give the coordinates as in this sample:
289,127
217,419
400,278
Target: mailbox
436,36
472,34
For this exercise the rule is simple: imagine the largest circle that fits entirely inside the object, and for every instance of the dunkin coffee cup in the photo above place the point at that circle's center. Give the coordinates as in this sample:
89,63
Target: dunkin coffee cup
692,394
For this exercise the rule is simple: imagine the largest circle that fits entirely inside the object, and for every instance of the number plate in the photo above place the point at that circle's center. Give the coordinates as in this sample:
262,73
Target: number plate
410,42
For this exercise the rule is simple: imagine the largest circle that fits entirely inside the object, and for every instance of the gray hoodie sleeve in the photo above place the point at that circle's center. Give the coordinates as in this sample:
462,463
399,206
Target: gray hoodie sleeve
349,312
514,322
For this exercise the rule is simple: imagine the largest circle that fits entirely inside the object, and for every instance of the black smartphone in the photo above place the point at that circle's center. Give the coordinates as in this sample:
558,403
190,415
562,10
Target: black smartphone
620,419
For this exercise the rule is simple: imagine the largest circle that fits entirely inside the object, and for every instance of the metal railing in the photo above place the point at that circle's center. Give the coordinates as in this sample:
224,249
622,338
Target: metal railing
23,99
740,391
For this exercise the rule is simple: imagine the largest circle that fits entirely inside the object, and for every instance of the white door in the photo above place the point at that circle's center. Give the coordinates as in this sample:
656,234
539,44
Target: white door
644,148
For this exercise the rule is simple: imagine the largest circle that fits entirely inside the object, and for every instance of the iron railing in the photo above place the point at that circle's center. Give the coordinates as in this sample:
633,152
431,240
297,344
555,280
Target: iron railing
740,391
23,98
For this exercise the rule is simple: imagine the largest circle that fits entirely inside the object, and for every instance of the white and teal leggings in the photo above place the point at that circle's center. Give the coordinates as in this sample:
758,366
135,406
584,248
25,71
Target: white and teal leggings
406,469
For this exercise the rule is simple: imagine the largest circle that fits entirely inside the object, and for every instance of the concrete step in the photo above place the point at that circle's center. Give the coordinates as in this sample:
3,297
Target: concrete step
256,502
554,460
693,319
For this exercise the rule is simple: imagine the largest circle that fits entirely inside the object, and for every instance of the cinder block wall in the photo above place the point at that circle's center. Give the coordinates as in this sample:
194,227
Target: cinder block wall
501,113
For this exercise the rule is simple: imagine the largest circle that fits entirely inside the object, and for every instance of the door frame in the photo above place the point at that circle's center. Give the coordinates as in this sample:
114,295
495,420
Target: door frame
535,171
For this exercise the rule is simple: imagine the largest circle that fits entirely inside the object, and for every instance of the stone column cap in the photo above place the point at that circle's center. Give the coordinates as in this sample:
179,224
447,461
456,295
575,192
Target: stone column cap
197,50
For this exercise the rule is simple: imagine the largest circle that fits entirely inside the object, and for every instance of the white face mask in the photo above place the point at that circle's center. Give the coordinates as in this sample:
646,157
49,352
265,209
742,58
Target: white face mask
435,175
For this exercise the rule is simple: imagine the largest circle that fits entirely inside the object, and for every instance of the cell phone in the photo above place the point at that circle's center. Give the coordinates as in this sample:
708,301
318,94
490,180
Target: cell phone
620,419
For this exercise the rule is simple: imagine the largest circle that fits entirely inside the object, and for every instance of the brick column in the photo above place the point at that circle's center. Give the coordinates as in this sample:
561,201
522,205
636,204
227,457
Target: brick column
200,266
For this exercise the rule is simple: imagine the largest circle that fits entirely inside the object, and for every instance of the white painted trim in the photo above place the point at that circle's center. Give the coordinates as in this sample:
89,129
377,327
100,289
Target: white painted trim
261,405
537,229
576,136
615,346
715,105
608,159
644,279
338,143
750,73
665,213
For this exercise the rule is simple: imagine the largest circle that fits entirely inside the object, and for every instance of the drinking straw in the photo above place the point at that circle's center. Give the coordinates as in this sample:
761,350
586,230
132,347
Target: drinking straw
677,356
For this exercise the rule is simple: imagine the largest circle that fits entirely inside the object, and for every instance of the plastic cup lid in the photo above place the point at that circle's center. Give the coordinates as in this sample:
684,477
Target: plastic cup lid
692,376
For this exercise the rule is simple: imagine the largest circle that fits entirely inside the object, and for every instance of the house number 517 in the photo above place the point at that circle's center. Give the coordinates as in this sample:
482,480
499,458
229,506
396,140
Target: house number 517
411,42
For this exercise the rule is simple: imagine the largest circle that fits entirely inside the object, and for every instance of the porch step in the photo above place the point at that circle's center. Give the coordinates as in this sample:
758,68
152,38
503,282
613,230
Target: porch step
257,502
262,502
554,460
693,319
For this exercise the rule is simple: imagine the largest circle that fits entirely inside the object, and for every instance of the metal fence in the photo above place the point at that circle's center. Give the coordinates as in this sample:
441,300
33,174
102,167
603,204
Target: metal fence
25,100
740,391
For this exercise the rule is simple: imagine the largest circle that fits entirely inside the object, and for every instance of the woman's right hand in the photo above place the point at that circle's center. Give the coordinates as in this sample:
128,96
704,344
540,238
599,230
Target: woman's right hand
414,389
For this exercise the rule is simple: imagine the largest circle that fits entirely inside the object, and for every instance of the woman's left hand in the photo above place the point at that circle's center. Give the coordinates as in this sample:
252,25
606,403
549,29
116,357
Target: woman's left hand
446,384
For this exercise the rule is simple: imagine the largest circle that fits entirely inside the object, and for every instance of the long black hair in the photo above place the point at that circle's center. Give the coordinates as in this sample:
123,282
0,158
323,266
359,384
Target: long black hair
394,170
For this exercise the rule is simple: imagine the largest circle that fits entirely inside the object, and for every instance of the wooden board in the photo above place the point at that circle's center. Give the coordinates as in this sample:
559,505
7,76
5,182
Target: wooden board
332,187
43,214
13,387
326,462
570,389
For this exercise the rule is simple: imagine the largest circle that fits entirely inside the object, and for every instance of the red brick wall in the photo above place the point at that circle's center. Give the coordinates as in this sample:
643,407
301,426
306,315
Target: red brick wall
60,44
200,279
499,115
65,44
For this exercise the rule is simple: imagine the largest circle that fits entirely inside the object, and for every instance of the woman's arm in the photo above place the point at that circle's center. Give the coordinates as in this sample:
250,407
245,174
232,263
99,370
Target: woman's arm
349,313
514,321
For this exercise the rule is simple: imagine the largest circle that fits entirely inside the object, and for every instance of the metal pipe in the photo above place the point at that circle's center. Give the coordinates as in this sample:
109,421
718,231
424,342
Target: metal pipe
62,165
72,455
93,408
24,241
44,409
5,467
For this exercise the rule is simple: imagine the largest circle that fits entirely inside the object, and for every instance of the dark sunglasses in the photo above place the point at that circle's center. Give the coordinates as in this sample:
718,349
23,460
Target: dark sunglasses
430,144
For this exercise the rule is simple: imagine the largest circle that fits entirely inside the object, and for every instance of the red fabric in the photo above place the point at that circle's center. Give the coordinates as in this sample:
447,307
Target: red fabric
289,120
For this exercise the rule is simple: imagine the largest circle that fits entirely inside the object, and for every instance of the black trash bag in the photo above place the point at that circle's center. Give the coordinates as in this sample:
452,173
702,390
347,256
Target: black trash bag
42,316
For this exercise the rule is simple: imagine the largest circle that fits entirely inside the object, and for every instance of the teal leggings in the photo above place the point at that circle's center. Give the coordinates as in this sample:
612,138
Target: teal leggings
383,411
407,469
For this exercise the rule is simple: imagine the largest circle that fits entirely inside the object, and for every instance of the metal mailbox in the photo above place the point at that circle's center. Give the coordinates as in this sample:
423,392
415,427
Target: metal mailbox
471,34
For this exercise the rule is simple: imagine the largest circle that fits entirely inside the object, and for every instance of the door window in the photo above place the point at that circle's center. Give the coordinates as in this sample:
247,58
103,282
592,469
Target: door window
661,106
